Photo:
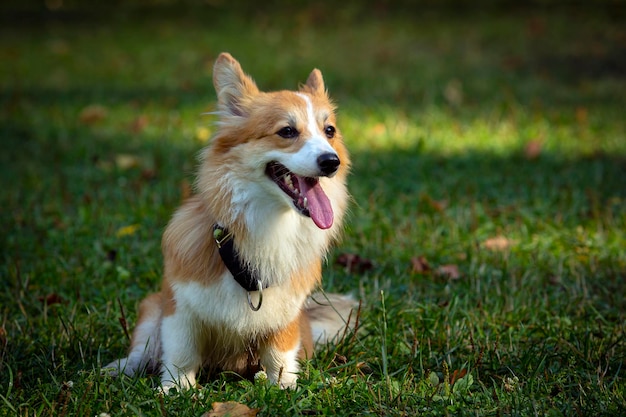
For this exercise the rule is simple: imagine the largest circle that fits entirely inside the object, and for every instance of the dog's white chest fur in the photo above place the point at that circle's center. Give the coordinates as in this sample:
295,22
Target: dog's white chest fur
224,305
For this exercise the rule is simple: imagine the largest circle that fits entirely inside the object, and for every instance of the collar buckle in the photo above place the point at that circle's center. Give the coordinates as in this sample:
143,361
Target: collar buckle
221,235
241,272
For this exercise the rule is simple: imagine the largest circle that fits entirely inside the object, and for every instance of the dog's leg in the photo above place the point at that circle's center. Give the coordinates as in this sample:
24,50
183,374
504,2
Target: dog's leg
280,354
181,353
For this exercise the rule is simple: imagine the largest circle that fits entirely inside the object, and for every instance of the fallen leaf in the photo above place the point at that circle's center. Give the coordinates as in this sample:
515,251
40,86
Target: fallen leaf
437,205
340,359
420,265
126,161
462,385
231,409
354,263
364,368
52,299
93,114
379,129
148,174
532,150
456,375
127,230
139,124
498,243
203,134
582,115
450,271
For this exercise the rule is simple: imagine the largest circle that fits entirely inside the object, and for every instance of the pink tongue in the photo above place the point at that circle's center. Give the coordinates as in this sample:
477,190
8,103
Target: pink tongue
319,206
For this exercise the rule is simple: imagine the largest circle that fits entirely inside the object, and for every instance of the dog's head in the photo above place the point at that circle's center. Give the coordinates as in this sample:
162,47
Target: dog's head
284,144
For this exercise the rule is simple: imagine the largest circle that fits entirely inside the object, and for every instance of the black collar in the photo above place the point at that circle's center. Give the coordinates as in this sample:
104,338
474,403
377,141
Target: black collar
244,276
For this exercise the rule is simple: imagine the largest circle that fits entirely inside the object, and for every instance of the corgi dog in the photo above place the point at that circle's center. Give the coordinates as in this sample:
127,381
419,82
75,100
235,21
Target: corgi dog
243,256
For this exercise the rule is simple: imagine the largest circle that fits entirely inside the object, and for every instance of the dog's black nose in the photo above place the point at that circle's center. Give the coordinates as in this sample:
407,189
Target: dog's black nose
328,163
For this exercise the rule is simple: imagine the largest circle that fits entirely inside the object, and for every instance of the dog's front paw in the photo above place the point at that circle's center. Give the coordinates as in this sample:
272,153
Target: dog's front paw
171,387
288,383
117,368
181,384
285,380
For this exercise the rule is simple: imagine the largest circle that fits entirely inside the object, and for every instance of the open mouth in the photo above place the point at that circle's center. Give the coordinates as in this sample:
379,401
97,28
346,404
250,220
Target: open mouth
306,193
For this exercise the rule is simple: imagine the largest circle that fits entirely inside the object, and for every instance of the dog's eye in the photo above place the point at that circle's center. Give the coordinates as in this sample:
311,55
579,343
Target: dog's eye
287,132
329,131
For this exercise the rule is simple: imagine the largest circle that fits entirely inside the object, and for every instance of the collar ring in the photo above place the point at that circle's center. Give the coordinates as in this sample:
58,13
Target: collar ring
250,303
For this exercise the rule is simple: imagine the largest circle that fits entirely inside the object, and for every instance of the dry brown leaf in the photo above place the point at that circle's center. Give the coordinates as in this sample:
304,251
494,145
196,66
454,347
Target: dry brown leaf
148,174
456,375
532,150
450,271
93,114
52,299
582,115
139,124
354,263
420,265
379,129
231,409
340,359
437,205
497,243
364,368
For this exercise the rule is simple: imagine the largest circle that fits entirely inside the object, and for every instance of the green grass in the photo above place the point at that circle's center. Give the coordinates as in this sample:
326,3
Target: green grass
438,107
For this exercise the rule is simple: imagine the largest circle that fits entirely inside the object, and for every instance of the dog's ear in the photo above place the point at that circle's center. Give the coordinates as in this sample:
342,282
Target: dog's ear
315,83
233,87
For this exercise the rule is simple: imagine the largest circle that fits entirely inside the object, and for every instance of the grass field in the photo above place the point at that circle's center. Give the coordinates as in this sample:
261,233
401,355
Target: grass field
489,187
